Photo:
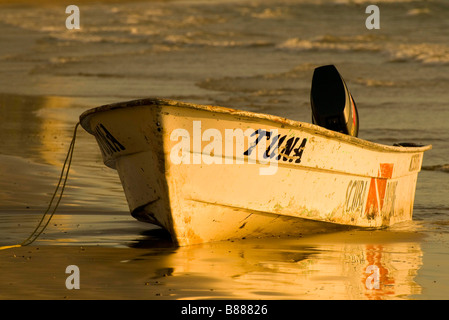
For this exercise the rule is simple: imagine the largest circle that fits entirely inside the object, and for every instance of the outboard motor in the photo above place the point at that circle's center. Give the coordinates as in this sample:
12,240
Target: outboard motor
332,104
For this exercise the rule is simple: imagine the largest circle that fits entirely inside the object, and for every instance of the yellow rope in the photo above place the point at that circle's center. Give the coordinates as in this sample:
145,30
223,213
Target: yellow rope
8,247
36,233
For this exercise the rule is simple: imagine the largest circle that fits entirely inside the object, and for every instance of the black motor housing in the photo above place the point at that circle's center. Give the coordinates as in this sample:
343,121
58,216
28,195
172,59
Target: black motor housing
332,104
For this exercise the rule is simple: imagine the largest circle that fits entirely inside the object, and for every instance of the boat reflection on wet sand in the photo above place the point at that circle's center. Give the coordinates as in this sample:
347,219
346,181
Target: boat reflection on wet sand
356,264
331,266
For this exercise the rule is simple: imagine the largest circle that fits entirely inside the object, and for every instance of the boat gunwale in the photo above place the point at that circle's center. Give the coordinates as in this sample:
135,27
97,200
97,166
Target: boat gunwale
311,128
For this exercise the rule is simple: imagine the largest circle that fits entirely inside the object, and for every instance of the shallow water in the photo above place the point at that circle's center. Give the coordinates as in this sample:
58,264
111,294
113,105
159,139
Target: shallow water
252,55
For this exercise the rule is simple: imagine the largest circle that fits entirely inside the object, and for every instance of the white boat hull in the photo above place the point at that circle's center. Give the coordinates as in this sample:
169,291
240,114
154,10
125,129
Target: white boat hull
183,167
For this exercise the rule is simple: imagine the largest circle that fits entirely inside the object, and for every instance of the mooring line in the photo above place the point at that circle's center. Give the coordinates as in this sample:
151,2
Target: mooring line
62,178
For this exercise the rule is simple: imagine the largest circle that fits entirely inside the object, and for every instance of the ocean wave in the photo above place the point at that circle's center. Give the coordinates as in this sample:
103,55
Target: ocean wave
269,13
330,42
207,40
427,53
375,82
418,12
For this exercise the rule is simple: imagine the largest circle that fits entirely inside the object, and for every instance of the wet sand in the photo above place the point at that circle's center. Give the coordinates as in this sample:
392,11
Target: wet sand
319,267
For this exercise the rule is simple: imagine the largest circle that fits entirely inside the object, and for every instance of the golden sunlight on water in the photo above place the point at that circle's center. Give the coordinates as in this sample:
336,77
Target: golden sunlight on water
334,266
34,144
53,125
329,266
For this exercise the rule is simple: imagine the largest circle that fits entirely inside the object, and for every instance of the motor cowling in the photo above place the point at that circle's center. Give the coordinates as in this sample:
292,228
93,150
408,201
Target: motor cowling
333,106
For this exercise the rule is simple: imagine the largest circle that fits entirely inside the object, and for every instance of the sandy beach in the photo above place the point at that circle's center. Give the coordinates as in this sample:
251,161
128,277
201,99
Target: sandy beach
330,266
251,55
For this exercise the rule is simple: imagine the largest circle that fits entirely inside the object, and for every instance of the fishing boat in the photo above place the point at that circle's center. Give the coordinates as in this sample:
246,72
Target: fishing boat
208,173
